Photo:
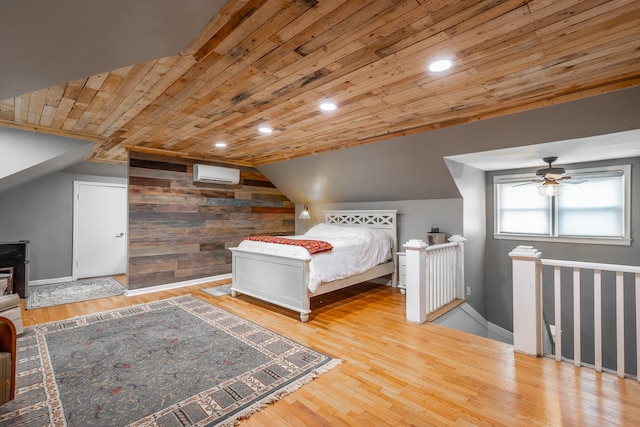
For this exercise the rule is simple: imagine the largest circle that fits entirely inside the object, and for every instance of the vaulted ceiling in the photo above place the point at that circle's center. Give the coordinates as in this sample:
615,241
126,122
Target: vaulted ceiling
272,62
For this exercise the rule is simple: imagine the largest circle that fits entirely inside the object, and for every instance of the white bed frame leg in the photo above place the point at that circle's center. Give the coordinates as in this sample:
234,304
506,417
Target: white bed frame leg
304,317
234,293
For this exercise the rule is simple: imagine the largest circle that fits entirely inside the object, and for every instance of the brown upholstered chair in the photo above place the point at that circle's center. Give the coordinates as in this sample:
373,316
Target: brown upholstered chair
8,350
10,308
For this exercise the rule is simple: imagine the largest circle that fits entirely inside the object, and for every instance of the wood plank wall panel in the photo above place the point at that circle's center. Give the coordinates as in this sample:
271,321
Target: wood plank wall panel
180,230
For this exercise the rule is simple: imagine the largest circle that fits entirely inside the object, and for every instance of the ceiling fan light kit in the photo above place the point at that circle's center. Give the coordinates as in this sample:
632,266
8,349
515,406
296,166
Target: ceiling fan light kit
550,188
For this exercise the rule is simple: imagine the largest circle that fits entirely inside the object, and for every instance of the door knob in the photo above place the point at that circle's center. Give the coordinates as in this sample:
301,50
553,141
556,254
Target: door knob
120,235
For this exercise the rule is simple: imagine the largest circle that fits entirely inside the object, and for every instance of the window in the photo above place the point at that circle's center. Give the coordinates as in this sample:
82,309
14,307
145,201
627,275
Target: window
594,210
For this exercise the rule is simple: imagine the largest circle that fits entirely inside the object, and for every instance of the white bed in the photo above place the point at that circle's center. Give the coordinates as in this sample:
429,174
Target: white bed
287,276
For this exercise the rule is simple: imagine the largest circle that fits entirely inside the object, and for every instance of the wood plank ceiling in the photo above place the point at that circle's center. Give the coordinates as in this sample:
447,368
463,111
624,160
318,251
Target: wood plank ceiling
273,62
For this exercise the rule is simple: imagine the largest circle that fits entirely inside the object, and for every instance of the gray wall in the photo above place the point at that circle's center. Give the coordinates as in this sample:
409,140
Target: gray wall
41,211
499,270
470,182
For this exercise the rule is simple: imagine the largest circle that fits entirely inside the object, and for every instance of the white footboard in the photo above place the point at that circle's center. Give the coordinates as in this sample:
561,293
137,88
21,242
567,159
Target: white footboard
276,279
283,281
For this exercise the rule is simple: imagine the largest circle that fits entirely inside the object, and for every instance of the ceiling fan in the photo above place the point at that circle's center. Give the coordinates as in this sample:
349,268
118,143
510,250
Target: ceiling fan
552,178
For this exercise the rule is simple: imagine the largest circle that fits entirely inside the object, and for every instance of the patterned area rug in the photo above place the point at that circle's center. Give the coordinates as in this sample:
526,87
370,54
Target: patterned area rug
218,291
75,291
174,362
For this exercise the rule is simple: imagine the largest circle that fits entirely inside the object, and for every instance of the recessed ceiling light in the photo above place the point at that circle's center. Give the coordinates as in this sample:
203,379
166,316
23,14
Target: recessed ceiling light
220,144
440,65
265,129
328,106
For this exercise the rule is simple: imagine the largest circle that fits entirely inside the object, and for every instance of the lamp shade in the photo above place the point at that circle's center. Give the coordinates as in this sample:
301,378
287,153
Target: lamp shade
305,213
550,188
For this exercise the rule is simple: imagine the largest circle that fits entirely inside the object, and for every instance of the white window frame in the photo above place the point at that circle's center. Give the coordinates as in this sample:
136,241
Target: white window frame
515,178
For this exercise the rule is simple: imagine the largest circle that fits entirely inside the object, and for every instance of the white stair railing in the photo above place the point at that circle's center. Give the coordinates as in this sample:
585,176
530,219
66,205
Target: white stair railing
527,293
435,276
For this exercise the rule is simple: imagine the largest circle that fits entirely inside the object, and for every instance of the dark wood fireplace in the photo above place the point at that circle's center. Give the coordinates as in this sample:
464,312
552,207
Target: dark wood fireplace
16,255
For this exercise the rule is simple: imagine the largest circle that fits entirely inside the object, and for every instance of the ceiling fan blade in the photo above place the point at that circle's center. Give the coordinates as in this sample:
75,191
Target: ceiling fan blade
533,181
574,180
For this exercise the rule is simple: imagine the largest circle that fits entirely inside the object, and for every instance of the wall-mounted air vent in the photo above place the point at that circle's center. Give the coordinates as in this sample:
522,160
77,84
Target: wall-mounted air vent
215,174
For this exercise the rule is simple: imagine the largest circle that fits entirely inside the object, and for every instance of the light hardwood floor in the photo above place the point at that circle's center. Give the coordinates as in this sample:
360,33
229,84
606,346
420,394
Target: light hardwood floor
398,373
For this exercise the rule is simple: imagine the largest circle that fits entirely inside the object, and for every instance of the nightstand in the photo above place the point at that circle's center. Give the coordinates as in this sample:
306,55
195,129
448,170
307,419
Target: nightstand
402,272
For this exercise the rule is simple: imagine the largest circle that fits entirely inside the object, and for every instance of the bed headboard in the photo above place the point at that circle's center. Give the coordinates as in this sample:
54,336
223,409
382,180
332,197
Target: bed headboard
383,220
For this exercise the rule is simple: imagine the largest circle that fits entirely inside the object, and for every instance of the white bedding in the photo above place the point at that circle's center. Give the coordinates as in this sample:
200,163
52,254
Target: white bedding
355,250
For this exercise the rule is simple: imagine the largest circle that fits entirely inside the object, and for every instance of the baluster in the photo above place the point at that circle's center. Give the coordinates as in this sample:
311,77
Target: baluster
438,280
620,322
452,271
429,284
448,265
454,266
558,310
447,276
576,318
441,278
447,273
438,260
438,273
597,318
432,282
638,326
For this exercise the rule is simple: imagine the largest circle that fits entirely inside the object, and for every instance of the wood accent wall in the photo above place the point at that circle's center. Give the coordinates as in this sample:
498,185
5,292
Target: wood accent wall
180,230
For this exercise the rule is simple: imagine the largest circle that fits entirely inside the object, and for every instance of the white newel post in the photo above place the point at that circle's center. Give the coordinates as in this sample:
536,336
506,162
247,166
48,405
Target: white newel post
456,238
527,300
416,258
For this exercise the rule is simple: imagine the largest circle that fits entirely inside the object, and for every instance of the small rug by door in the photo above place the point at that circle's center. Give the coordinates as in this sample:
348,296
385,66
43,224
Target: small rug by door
175,362
78,290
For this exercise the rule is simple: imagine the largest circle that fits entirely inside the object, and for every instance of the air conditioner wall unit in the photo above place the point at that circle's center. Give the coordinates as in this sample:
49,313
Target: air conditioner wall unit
215,174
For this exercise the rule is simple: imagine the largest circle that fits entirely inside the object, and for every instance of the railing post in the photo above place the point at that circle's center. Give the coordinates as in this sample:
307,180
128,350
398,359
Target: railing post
459,291
527,300
416,258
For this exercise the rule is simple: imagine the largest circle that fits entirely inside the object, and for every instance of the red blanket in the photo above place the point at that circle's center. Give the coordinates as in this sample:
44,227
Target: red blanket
313,246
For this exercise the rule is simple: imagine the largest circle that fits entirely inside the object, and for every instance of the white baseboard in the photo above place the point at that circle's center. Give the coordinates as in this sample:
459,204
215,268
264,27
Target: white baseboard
159,288
499,334
50,281
473,313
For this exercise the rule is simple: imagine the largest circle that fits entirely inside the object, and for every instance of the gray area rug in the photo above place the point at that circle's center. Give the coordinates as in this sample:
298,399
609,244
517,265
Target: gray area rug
218,291
78,290
175,362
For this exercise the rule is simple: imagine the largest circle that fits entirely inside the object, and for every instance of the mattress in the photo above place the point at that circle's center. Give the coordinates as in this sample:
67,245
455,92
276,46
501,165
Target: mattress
355,250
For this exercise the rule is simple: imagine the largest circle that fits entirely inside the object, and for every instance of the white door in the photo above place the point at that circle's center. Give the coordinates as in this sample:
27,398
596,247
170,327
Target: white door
100,225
